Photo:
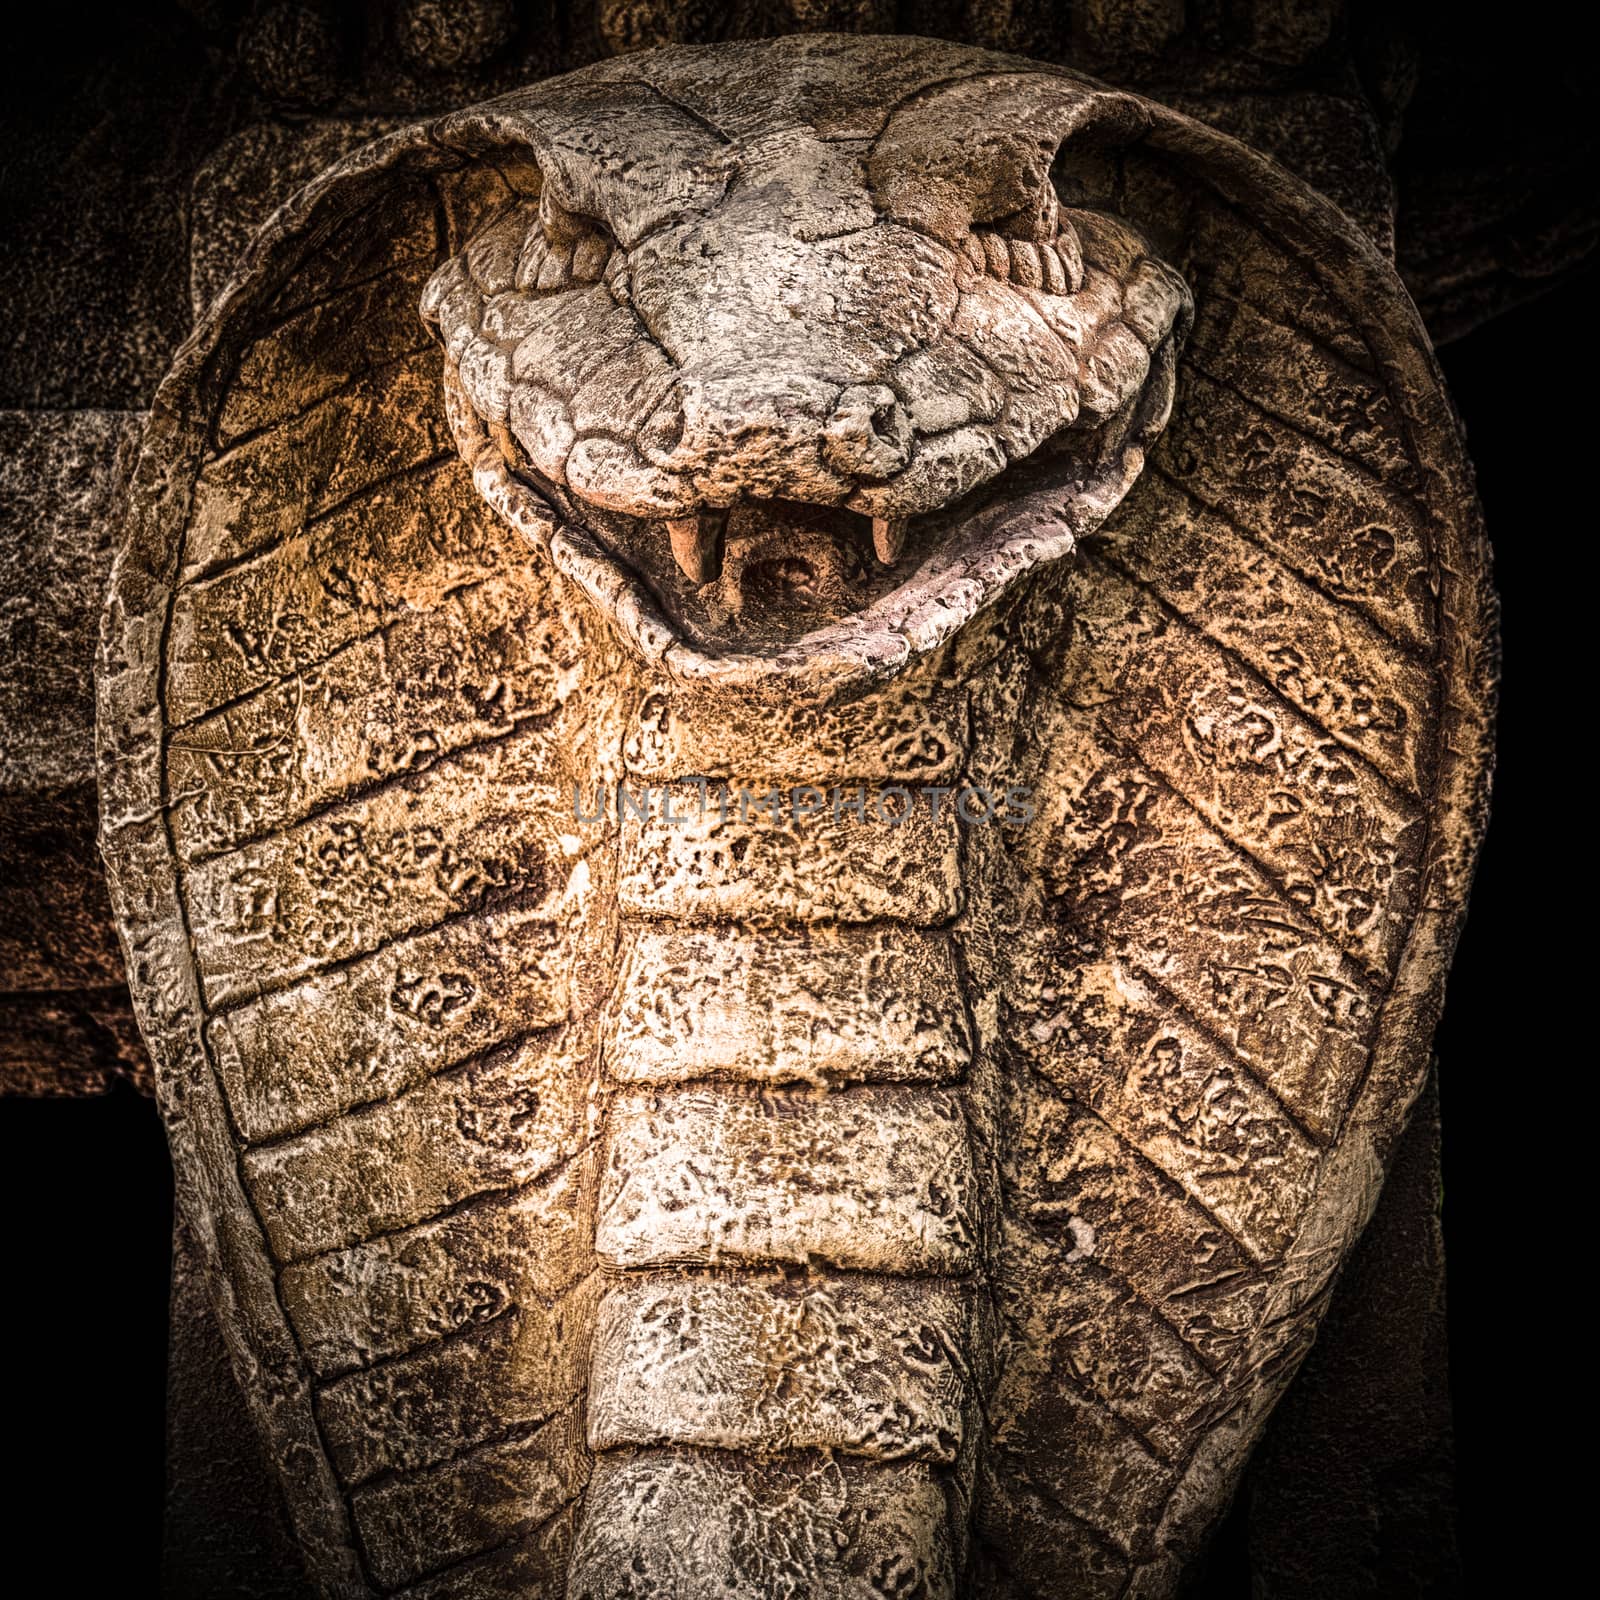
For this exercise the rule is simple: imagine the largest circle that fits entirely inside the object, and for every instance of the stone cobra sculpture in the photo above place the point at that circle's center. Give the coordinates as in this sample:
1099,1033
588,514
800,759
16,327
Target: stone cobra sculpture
794,980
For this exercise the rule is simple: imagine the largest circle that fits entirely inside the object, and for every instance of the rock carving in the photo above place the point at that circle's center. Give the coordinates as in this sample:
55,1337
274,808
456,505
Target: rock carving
874,1202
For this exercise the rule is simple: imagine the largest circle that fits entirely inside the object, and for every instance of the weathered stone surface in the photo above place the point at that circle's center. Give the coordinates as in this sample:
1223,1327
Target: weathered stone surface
497,1123
402,1290
1254,771
243,182
433,683
348,881
831,1008
857,1365
1086,1330
1322,659
916,1204
252,624
876,1180
354,332
1254,977
475,1503
431,1407
913,738
533,1565
856,868
1322,516
411,1010
1082,1192
67,1028
105,118
1332,141
668,1519
62,477
357,438
1167,1089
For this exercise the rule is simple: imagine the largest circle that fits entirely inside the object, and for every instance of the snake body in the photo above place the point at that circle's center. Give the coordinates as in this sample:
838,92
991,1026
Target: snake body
917,1197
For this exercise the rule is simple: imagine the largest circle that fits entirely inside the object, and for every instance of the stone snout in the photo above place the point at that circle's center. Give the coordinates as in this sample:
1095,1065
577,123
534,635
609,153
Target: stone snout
775,436
763,436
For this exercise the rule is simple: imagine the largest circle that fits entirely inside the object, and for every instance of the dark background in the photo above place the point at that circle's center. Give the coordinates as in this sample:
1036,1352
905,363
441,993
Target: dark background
85,1188
1512,1053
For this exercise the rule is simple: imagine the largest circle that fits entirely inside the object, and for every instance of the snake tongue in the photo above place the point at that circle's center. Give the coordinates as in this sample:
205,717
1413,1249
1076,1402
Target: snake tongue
697,544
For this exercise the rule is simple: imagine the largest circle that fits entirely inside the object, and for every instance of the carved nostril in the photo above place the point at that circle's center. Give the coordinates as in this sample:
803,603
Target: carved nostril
869,433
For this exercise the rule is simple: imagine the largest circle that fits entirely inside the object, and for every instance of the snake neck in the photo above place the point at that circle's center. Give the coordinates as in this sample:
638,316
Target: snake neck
794,1203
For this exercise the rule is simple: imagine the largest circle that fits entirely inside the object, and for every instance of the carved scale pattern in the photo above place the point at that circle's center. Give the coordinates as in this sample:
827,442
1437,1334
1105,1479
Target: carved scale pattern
1053,1140
790,1218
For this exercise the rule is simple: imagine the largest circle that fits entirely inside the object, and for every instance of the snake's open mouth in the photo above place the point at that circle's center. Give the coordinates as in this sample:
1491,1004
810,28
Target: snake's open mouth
823,597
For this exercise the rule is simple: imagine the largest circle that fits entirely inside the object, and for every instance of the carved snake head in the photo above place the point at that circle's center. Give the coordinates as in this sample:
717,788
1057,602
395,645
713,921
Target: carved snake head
806,386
